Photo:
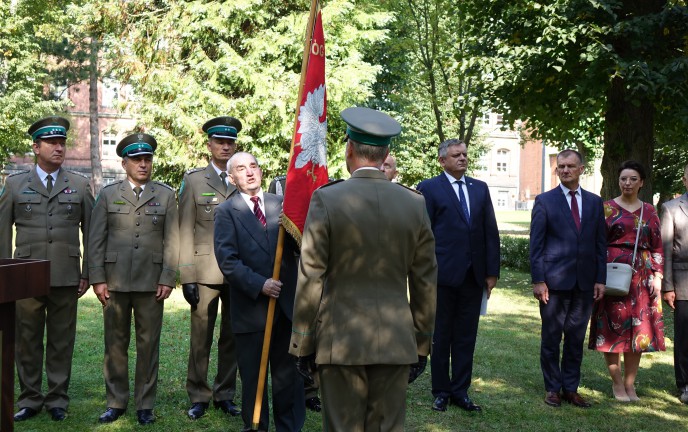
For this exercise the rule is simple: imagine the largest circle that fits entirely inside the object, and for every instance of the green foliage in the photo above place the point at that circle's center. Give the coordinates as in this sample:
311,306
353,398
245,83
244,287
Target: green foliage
23,76
515,252
432,81
189,61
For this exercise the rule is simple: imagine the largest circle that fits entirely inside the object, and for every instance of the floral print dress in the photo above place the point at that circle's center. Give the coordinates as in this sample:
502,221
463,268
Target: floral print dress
632,323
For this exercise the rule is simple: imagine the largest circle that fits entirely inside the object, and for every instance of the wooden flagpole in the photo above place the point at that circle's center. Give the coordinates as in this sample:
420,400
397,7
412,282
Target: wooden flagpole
257,407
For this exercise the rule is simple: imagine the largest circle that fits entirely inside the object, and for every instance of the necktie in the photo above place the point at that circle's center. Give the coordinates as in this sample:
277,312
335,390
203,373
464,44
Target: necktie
257,211
574,209
137,192
462,202
49,181
223,176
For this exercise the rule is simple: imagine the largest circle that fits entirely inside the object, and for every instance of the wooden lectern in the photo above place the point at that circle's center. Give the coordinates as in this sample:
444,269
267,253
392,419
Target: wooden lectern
19,279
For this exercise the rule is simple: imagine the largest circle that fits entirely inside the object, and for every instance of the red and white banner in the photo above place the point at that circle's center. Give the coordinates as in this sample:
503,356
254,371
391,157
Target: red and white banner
308,162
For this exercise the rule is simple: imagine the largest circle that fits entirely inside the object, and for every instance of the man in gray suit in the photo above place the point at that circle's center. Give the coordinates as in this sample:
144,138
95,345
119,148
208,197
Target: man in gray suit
47,205
203,284
675,282
134,238
246,229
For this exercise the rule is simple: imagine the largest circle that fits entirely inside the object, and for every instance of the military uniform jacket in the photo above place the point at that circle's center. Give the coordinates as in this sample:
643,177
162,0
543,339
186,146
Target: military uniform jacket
200,194
363,240
134,244
47,224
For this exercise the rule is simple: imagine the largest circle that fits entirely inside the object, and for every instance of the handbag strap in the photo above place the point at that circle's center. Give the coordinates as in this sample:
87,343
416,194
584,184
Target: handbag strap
637,234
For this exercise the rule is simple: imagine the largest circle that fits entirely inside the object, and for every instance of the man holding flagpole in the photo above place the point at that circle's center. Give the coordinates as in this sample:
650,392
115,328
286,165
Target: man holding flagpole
245,235
352,315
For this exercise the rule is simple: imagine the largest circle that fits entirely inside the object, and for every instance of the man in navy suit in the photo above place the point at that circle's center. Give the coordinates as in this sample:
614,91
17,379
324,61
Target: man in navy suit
246,227
568,255
467,250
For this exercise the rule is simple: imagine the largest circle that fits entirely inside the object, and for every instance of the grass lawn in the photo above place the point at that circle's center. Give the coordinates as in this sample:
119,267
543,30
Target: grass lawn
513,221
507,380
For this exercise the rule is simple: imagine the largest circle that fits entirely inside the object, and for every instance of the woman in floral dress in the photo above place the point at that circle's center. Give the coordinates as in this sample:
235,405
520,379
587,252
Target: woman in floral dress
630,324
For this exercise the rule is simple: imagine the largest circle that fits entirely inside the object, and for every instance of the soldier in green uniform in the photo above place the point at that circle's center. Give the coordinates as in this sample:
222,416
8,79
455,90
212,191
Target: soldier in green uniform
134,244
202,281
352,314
47,205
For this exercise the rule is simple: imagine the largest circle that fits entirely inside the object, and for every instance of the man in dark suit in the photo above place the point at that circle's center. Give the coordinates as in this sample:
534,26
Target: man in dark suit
47,206
203,285
467,249
246,228
568,255
310,390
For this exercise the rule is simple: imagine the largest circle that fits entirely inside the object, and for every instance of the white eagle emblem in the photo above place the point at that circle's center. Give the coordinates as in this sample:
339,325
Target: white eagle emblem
312,130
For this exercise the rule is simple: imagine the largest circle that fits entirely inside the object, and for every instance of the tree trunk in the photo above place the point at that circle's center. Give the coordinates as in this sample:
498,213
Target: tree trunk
628,134
94,130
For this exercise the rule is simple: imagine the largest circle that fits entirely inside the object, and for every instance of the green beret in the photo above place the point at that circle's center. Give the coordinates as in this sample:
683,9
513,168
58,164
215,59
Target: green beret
136,144
369,126
49,127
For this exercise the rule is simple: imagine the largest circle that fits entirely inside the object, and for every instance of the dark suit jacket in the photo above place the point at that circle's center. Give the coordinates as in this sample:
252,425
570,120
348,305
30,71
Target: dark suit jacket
458,245
245,252
560,255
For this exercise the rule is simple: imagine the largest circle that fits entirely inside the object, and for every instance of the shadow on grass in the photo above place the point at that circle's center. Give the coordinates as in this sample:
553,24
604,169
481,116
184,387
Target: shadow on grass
507,381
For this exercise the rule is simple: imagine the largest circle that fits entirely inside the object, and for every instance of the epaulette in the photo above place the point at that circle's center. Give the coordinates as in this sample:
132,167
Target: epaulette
193,170
116,182
331,183
163,184
79,174
18,172
411,189
280,177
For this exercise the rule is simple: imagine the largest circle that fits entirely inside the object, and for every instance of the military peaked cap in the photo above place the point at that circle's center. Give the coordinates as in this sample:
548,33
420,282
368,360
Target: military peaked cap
49,127
136,144
222,127
369,126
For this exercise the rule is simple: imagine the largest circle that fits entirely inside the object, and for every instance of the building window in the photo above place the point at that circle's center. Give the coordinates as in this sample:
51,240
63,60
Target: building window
502,160
109,94
502,199
109,145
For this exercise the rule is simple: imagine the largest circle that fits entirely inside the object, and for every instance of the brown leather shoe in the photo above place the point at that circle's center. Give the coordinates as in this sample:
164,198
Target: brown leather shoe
576,400
553,399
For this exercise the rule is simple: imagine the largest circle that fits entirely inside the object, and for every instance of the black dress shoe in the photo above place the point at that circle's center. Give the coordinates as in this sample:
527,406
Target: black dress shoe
466,403
314,404
145,416
110,415
58,414
440,403
227,407
197,410
24,414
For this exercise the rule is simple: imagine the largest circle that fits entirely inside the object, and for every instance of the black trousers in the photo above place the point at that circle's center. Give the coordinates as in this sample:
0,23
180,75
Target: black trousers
567,313
681,343
453,343
288,407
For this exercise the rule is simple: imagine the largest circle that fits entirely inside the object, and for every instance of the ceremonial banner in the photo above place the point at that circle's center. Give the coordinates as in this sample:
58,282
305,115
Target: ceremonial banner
308,159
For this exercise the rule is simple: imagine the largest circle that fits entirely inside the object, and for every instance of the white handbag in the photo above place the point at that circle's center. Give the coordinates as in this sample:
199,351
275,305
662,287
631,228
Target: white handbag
619,275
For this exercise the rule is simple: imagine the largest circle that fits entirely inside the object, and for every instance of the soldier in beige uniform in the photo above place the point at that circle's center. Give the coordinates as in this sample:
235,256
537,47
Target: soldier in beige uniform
352,315
134,241
202,281
47,205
